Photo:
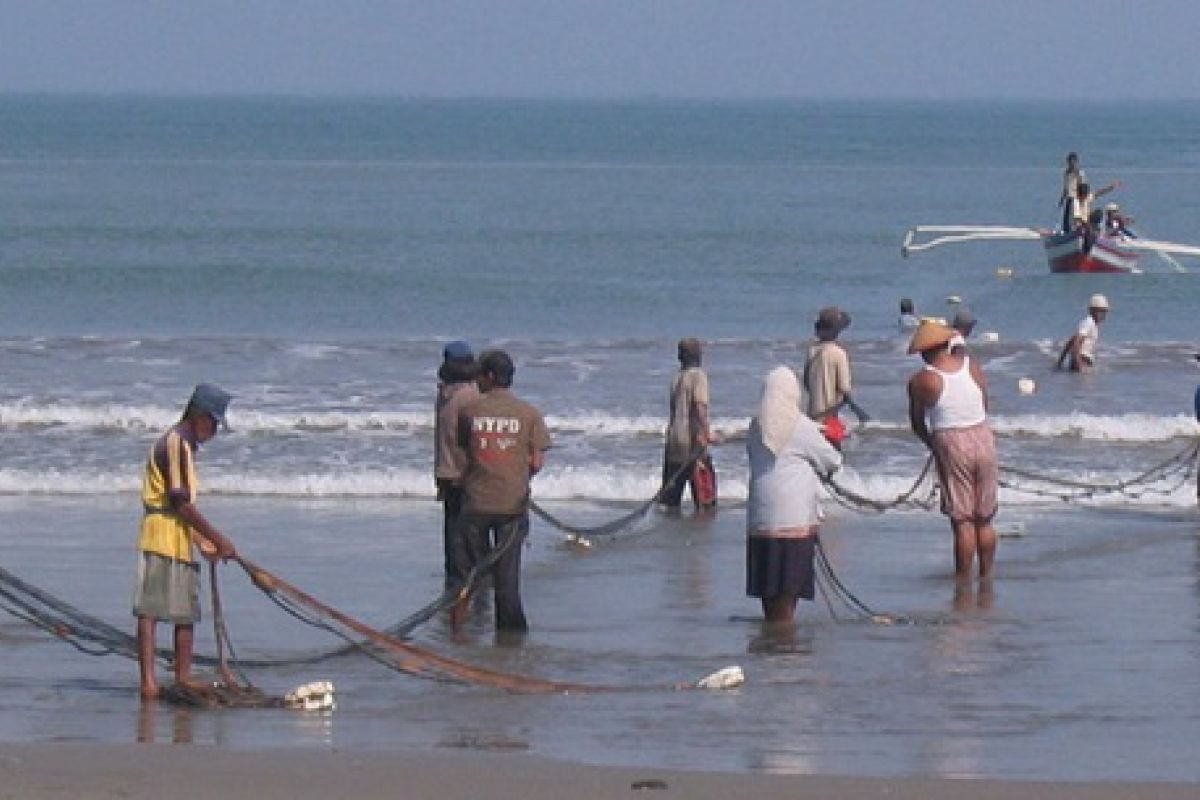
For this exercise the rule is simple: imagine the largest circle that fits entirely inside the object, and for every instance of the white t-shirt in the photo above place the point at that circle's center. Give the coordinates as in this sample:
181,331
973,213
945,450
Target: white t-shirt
1089,335
785,490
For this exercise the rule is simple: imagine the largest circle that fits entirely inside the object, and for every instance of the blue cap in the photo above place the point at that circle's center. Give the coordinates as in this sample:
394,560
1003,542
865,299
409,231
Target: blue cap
212,400
458,351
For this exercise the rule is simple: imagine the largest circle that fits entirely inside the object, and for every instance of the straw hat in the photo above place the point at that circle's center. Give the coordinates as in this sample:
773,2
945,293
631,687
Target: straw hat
930,334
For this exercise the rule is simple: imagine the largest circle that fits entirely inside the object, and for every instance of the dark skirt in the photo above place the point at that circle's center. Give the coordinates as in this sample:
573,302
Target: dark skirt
778,566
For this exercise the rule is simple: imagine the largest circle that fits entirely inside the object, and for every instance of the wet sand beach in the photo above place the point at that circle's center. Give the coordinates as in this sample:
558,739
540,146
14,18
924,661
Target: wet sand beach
40,772
1077,665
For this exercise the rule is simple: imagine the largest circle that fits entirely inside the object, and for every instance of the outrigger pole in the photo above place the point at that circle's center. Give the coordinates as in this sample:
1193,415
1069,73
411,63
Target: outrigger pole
915,241
964,233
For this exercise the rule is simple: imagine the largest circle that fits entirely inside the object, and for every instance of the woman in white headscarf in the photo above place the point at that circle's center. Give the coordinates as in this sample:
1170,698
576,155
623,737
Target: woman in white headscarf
786,449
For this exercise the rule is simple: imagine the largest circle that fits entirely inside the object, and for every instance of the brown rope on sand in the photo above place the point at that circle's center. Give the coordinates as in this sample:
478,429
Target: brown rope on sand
408,657
228,691
419,661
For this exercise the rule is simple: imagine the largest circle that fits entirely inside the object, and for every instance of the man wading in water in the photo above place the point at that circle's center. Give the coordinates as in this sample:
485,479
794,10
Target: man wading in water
505,440
688,434
947,408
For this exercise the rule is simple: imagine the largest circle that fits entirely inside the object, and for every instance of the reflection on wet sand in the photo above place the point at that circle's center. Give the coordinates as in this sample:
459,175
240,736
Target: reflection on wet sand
150,716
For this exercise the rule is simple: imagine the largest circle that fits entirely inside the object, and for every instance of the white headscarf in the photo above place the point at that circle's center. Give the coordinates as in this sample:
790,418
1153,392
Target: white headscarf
779,408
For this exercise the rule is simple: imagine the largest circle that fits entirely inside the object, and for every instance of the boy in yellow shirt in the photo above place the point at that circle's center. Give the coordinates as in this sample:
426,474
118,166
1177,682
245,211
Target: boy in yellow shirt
168,584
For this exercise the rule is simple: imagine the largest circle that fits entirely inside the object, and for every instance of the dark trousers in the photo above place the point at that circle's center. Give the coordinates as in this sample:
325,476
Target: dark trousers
675,478
478,536
452,501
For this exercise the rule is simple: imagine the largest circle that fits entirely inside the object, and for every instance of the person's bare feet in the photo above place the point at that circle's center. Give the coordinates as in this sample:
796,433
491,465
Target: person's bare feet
150,692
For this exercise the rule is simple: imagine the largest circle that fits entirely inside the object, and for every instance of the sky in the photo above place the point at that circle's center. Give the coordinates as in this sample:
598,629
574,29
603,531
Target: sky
922,49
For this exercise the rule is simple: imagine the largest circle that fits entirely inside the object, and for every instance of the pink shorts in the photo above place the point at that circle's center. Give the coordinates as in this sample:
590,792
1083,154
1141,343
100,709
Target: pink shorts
969,472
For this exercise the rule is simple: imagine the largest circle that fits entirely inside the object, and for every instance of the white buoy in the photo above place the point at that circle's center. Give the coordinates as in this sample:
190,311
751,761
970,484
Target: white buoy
314,696
953,299
726,678
989,336
1026,386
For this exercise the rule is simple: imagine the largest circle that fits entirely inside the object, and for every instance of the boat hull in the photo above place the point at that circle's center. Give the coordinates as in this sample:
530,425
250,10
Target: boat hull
1065,253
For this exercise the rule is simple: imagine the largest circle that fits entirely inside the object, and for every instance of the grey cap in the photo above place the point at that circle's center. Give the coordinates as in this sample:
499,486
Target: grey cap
963,321
212,400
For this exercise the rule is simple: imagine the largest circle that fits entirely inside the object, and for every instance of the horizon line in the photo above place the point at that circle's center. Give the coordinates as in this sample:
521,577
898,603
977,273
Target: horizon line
597,98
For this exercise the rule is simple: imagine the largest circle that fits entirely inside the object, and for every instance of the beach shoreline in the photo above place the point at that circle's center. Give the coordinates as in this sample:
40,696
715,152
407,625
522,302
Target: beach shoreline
135,771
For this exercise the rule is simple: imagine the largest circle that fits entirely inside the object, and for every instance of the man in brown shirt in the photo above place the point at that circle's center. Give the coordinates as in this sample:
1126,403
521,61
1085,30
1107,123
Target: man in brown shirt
685,457
505,440
456,389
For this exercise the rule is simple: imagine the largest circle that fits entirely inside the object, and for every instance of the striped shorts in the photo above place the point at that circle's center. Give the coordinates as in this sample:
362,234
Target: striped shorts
969,472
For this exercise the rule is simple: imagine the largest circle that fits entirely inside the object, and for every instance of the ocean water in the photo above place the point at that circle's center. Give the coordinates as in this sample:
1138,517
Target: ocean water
312,256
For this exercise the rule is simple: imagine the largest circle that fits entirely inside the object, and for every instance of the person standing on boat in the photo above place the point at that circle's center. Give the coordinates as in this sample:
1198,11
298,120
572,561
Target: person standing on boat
947,409
505,439
788,455
686,459
1073,175
1081,211
168,581
827,378
456,389
1079,352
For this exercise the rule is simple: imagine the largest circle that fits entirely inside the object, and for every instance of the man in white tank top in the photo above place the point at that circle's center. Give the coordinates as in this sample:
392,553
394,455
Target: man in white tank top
947,408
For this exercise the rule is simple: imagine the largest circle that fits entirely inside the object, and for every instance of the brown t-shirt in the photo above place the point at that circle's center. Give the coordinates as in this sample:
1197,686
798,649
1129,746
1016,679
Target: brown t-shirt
826,378
449,460
500,433
689,388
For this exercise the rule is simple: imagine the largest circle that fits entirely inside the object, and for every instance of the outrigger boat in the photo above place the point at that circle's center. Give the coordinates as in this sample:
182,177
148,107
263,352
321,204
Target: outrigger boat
1065,252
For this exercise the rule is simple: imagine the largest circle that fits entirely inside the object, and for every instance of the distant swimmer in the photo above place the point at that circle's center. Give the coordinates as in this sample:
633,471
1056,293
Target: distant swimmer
1079,352
908,315
947,409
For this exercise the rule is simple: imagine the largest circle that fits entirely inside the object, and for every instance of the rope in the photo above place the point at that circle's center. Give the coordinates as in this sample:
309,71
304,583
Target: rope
221,637
61,620
624,522
420,662
1181,466
406,657
848,498
831,588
